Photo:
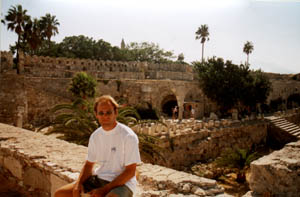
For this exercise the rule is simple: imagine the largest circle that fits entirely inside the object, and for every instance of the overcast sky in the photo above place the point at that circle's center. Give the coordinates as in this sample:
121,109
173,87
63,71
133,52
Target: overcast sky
273,26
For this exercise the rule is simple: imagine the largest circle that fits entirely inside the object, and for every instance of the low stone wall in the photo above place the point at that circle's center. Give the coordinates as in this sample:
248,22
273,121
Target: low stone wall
277,174
40,164
189,141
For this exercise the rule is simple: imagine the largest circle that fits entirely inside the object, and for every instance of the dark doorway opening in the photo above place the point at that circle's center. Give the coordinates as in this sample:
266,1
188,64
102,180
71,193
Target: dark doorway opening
168,104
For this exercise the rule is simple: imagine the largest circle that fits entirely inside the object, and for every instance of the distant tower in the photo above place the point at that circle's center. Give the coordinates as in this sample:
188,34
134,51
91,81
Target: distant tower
122,44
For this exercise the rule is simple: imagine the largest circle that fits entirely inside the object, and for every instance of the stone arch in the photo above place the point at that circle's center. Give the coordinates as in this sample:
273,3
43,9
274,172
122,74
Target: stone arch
168,103
166,100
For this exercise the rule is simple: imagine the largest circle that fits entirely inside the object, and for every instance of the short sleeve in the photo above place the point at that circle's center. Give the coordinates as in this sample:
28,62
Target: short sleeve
132,153
91,156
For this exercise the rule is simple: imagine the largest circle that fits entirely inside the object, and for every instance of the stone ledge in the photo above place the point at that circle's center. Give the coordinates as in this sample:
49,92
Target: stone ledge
41,164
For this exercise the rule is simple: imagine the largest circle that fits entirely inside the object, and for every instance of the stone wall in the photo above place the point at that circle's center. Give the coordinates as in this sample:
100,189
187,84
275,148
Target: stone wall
37,95
44,81
35,66
6,61
40,164
190,141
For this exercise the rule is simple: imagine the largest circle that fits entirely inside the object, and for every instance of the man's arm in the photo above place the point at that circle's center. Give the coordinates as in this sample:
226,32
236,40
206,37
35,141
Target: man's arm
86,171
120,180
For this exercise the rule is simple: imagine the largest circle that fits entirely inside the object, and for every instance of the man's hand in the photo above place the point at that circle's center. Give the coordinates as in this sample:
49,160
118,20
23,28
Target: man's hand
77,189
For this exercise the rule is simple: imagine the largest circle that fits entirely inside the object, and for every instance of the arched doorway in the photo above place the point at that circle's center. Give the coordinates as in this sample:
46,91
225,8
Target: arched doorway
167,104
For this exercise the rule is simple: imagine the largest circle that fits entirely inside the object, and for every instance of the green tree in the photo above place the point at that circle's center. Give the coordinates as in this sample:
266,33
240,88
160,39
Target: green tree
231,85
83,86
202,34
259,88
32,37
148,52
180,59
49,26
77,47
248,48
17,19
102,50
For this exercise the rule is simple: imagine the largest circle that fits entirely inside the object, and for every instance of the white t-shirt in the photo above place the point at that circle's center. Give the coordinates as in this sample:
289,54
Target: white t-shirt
113,150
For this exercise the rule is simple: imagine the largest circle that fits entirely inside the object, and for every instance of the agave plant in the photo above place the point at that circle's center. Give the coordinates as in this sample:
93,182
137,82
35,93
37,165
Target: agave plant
237,158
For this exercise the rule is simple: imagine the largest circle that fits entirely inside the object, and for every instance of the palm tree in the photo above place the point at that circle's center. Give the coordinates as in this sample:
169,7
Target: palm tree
32,34
16,21
248,48
202,34
49,25
75,121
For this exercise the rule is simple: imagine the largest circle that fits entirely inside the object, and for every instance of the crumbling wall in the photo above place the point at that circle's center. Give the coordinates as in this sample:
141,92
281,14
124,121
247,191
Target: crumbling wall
189,141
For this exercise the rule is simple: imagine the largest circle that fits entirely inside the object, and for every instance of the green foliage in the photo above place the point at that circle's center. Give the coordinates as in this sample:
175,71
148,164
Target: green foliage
83,86
31,33
148,52
75,121
128,116
16,20
237,158
231,85
49,27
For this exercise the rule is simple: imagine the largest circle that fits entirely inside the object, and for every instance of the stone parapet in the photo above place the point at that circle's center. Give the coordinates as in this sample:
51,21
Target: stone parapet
40,164
38,66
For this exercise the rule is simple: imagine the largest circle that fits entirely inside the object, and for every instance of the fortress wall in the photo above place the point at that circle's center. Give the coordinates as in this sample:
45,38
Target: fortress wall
44,81
35,66
33,97
283,88
40,164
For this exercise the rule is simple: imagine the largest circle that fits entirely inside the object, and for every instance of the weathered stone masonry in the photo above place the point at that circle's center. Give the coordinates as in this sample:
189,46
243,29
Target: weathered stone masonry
190,141
43,83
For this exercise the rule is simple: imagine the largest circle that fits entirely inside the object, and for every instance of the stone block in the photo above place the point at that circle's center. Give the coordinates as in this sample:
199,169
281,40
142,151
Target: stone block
37,179
277,173
56,182
14,166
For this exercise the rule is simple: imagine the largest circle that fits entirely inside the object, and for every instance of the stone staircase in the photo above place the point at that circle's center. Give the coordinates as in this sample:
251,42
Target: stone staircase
285,126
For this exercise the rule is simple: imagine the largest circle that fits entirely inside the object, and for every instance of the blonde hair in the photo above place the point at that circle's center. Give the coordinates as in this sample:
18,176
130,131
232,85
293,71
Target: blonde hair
106,98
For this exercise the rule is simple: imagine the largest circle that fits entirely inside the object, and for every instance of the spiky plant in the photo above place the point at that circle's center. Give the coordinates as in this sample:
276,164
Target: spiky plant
237,158
75,121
